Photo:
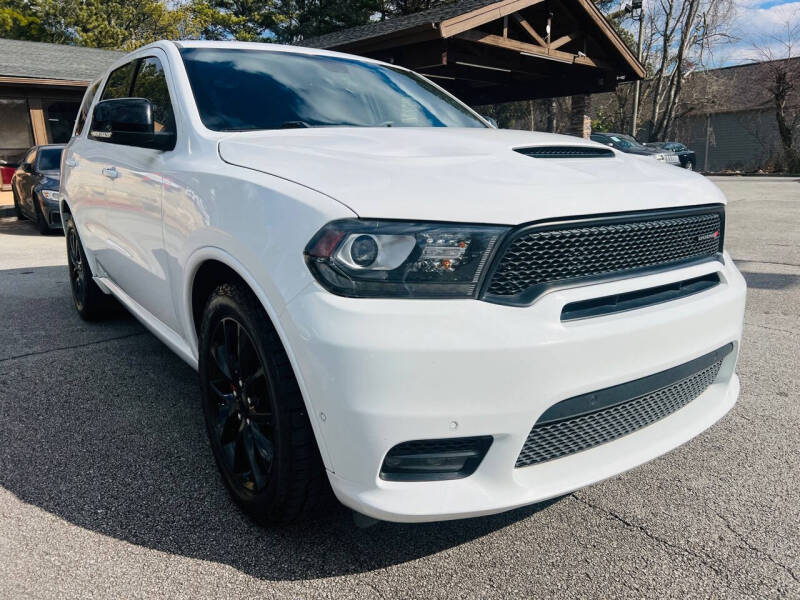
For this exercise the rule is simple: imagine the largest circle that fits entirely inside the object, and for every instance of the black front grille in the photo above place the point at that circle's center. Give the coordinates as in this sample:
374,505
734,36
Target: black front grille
592,419
541,257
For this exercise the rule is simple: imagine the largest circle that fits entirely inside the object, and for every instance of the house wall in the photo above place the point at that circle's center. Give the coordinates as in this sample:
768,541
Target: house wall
735,141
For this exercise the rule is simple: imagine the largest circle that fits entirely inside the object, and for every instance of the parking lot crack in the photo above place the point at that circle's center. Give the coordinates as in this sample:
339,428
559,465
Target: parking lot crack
658,539
771,328
92,343
764,262
787,569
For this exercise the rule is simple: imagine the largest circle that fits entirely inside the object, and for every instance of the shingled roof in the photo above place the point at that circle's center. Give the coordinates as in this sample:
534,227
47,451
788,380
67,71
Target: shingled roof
53,61
363,32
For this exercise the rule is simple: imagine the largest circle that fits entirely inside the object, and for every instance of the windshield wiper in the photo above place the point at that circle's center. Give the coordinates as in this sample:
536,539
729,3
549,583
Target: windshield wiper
295,125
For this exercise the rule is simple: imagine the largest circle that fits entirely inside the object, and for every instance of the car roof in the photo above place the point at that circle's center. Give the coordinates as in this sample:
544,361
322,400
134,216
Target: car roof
267,47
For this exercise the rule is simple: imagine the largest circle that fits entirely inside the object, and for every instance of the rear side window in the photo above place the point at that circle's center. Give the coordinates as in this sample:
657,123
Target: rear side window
49,159
119,82
83,113
152,84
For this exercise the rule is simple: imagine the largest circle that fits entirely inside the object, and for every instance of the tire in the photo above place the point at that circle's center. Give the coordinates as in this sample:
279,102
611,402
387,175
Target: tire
90,301
41,222
17,207
257,424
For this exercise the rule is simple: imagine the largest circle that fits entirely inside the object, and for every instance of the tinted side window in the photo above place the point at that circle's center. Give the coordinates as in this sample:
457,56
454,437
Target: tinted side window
119,82
83,113
152,84
49,159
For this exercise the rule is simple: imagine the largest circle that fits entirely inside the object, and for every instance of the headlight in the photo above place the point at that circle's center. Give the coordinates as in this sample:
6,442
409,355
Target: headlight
390,259
659,157
51,195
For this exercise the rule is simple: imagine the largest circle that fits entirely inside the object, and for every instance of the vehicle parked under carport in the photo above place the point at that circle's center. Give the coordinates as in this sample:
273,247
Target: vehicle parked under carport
35,187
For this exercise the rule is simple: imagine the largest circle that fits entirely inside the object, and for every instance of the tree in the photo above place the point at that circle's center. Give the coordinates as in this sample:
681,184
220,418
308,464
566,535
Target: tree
18,23
303,19
117,24
782,61
681,36
246,20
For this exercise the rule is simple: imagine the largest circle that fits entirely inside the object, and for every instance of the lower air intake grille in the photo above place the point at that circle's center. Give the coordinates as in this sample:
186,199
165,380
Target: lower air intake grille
553,438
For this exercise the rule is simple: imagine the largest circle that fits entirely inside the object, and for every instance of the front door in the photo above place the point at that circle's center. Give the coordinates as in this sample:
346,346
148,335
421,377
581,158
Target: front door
134,256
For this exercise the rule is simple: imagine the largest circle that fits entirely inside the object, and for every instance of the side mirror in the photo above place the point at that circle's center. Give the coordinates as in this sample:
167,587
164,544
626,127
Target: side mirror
128,121
27,167
492,121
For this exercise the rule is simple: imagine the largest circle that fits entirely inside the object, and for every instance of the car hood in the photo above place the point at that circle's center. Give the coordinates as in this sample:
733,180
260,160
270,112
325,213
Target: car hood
466,175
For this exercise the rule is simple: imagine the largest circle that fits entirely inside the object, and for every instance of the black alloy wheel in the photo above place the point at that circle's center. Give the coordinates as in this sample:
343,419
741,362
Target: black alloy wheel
77,269
255,415
90,301
239,407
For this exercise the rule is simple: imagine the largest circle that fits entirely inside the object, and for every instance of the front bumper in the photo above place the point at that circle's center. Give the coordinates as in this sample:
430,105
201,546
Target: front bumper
51,211
376,373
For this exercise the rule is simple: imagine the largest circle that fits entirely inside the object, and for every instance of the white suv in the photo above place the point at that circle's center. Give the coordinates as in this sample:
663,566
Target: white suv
383,292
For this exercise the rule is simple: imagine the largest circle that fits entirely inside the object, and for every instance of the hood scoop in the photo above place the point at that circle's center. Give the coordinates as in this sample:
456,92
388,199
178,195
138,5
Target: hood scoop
566,152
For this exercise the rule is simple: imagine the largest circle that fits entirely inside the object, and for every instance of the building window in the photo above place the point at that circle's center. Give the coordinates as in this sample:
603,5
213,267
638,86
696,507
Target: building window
59,118
16,135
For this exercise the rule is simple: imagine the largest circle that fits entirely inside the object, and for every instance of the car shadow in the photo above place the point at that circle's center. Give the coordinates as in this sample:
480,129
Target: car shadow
108,435
771,281
14,226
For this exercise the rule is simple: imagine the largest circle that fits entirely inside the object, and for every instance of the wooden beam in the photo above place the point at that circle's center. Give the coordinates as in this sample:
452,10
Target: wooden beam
43,81
612,36
483,15
564,39
527,27
517,46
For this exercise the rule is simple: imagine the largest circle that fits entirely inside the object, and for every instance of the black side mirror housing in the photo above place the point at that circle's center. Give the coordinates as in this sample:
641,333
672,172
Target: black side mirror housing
128,121
27,167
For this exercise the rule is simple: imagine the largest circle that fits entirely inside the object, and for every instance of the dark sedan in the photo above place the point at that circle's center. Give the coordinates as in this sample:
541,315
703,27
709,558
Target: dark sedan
687,157
35,187
629,144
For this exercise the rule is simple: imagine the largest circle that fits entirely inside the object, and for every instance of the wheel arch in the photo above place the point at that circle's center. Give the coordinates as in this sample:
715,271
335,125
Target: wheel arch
205,270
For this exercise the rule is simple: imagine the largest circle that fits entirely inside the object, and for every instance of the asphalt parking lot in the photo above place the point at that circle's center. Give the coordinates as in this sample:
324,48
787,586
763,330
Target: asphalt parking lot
108,488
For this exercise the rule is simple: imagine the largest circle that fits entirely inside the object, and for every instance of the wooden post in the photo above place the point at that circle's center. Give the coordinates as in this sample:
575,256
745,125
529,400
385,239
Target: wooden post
37,121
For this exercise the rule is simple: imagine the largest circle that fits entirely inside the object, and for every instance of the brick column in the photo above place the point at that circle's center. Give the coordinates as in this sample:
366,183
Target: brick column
580,123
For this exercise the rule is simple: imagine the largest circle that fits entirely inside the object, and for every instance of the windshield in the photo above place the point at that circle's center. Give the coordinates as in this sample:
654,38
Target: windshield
631,141
240,90
50,159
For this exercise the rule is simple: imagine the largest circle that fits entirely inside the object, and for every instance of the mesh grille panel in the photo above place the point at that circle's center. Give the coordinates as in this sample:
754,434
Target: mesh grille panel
547,256
552,440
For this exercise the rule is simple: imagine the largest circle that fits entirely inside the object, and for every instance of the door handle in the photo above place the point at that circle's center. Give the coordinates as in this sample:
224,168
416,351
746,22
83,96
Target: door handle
111,172
71,162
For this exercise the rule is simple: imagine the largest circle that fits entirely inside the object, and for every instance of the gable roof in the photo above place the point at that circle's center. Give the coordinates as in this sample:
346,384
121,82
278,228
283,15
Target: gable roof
19,58
397,24
458,18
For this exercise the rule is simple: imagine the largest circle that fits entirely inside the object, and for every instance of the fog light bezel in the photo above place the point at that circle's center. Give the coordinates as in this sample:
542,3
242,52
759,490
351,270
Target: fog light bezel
470,450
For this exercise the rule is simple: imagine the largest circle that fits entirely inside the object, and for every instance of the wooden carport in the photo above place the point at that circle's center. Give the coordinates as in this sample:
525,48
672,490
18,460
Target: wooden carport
502,51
